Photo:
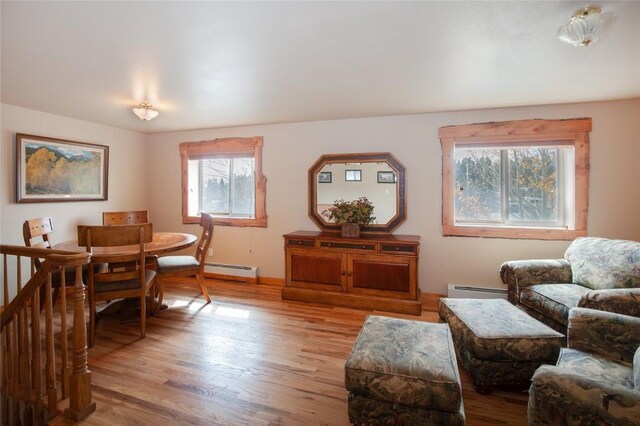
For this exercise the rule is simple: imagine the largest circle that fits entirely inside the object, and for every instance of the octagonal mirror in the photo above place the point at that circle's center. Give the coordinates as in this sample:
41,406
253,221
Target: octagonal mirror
378,176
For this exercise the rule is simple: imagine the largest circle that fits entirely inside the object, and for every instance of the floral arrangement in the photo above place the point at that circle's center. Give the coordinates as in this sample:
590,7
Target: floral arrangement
358,211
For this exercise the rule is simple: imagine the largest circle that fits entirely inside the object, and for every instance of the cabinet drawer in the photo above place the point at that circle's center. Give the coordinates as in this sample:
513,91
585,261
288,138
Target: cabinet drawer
300,242
370,247
391,248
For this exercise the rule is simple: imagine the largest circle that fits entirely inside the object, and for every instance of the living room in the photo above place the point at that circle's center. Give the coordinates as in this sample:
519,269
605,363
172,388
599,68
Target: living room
58,86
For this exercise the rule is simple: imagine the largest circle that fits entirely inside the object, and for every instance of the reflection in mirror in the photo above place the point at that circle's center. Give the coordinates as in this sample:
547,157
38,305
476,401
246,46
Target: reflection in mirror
379,176
336,182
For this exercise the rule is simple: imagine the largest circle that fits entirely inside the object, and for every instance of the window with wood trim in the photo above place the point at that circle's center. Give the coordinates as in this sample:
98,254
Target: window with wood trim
223,177
524,179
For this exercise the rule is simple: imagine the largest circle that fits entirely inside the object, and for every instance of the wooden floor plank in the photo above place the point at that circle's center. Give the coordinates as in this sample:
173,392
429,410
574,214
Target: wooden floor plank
248,358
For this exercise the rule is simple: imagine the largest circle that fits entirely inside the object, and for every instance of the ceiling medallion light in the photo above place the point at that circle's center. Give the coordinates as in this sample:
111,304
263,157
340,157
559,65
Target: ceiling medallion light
145,112
586,26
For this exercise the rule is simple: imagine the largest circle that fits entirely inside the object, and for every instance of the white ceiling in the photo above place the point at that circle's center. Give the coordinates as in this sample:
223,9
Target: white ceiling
215,64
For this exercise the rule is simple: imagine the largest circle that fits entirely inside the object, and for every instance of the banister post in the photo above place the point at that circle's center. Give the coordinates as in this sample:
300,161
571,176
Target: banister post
80,404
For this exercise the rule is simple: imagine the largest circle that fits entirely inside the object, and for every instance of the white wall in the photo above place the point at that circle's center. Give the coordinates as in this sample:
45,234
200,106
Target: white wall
139,163
290,149
127,173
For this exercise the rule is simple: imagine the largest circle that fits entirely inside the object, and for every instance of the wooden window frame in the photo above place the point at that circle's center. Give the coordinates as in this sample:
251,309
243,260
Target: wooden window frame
571,132
220,147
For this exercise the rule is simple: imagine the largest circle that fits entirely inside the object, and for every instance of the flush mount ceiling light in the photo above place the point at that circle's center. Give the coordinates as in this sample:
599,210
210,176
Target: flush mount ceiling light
586,26
145,112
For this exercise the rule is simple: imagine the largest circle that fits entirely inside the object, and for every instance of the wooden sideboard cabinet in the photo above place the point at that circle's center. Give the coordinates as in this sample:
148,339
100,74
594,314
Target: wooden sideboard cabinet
371,271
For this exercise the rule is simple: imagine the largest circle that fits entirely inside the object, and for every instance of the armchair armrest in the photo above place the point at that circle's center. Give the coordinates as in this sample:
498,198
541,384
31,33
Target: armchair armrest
559,392
610,335
625,301
519,274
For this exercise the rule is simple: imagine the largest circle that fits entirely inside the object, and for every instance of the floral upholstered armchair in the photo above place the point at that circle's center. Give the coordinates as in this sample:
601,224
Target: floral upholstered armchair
596,273
596,380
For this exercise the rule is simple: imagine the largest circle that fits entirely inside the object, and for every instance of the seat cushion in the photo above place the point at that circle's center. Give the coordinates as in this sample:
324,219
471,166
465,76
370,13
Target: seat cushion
132,284
596,368
553,300
407,362
176,263
495,330
601,263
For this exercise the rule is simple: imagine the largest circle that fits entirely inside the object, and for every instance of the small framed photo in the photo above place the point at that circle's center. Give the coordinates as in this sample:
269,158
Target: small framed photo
324,177
353,175
386,177
49,170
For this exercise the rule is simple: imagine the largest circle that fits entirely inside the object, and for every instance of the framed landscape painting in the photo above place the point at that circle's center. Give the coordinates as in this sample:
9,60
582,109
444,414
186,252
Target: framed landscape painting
49,170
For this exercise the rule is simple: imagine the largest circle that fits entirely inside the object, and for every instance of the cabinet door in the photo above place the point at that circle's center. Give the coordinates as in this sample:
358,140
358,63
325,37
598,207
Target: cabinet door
390,276
317,270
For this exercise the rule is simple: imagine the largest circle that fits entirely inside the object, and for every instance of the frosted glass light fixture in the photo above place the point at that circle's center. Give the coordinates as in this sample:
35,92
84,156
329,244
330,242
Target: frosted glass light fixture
586,26
145,112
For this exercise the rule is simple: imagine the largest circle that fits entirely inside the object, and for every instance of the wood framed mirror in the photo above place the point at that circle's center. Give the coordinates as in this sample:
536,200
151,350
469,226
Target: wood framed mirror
379,176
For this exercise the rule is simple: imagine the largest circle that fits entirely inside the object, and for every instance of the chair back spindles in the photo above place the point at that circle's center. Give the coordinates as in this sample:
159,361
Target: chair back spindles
29,387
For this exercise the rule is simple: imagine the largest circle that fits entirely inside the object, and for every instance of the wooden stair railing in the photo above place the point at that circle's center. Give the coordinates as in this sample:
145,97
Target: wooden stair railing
29,387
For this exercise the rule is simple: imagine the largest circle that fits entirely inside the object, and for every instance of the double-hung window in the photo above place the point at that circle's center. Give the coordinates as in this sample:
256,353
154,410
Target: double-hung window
223,177
520,179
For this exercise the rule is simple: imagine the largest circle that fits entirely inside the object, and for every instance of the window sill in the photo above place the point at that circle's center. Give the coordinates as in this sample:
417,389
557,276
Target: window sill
230,221
513,232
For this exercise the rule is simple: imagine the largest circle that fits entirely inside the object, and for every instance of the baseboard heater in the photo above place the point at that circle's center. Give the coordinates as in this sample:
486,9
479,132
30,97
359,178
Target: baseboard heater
472,292
248,274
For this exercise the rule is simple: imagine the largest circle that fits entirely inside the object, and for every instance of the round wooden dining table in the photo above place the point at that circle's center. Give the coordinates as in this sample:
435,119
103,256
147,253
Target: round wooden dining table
163,242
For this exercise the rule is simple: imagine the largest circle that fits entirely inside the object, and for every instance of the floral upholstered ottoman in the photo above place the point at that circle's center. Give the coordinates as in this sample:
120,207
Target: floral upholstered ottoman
497,343
403,372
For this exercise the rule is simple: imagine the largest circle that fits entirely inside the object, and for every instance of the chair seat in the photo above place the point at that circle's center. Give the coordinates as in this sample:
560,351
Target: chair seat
187,266
132,284
70,274
596,367
169,264
553,300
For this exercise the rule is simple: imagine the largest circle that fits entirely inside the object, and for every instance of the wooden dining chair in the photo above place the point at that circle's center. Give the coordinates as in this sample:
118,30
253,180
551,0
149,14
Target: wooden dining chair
36,233
133,217
118,284
185,266
125,218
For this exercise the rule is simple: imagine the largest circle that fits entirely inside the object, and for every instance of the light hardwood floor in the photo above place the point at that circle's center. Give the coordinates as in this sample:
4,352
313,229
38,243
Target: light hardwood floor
248,358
